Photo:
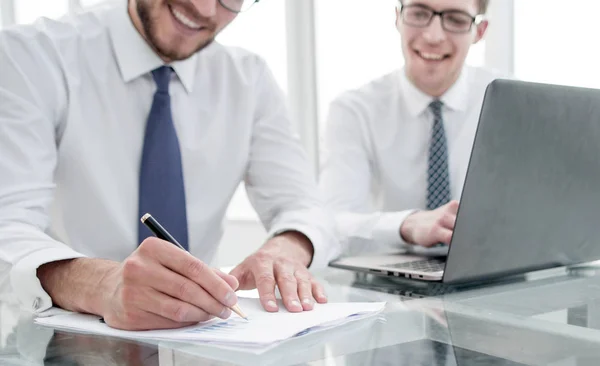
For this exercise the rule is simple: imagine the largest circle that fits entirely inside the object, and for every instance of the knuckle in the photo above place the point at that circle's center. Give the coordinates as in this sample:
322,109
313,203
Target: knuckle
262,256
287,277
265,278
148,244
132,267
178,313
196,268
183,290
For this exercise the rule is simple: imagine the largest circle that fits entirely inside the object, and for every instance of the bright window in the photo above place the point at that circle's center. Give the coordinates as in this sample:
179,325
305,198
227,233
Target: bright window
556,42
26,11
262,31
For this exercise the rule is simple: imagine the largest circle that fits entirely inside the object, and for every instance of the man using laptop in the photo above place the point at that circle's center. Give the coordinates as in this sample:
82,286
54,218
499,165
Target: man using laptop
397,149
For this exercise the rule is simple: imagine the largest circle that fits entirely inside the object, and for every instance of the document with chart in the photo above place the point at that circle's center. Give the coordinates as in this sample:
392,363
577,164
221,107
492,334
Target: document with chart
262,328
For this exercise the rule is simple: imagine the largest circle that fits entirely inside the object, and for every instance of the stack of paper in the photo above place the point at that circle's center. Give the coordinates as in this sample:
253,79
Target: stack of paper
262,328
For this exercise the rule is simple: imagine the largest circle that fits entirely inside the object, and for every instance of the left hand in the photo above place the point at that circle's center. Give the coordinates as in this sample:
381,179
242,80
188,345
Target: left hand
282,261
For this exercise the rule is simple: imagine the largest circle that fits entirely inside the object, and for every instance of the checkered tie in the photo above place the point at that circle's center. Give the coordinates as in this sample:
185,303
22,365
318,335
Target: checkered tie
438,182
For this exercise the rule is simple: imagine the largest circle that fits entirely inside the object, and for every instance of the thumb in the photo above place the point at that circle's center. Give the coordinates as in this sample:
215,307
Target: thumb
231,280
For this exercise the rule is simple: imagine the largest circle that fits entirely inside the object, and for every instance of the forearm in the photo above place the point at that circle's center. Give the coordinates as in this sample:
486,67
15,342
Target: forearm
77,284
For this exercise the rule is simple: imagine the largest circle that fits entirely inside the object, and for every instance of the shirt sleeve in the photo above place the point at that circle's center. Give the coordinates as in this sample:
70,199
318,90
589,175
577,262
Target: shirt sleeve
279,181
346,182
31,98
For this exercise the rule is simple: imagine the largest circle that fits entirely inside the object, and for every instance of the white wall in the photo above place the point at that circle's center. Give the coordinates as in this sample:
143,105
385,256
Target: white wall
241,238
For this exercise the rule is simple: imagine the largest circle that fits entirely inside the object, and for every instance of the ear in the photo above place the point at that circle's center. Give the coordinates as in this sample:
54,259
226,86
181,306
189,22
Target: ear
481,29
398,20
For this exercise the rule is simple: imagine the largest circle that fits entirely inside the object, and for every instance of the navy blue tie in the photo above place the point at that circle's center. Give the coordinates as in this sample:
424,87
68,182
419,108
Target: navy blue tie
162,192
438,179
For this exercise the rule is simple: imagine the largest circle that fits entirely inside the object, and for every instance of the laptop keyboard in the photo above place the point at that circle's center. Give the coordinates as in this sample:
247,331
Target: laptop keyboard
426,265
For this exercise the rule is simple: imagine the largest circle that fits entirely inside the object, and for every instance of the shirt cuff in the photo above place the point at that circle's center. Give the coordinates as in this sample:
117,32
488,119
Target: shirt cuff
25,283
387,228
325,244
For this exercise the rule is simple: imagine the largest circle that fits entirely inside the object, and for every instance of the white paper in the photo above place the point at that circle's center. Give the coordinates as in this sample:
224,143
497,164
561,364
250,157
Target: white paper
261,329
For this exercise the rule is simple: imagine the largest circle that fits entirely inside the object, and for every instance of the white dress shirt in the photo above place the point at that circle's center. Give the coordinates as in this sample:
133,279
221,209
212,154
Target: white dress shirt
74,99
374,171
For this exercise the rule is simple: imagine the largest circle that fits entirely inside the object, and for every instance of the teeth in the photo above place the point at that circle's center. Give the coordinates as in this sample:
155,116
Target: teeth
185,20
431,56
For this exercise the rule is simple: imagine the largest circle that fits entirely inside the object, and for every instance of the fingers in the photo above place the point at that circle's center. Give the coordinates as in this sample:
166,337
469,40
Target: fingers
440,235
144,308
173,309
447,220
318,292
288,286
190,267
264,279
178,287
231,280
305,289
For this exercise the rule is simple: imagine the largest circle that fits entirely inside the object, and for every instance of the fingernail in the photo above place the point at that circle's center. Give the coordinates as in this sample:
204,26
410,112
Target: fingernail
295,303
307,302
230,299
225,313
271,304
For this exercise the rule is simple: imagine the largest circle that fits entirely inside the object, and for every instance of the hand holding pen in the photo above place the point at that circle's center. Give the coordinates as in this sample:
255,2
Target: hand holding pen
160,286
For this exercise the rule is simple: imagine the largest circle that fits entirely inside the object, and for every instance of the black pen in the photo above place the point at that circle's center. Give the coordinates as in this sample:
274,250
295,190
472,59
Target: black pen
158,230
163,234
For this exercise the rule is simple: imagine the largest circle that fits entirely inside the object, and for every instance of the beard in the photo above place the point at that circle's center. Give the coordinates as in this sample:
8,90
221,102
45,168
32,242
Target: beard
171,51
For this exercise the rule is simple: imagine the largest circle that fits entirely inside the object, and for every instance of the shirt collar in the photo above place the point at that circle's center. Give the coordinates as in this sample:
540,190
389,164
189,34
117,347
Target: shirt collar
136,58
456,98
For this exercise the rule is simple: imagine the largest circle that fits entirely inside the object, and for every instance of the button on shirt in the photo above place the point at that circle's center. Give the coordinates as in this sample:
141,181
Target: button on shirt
375,156
75,95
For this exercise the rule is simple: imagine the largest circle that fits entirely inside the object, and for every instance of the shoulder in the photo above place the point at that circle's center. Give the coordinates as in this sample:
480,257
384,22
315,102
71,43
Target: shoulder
481,77
51,40
372,94
236,61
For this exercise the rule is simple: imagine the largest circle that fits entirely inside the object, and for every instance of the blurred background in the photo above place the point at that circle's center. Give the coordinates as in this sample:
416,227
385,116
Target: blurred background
318,49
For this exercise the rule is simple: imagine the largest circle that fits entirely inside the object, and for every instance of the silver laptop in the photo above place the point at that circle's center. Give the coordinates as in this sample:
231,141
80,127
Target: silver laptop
531,198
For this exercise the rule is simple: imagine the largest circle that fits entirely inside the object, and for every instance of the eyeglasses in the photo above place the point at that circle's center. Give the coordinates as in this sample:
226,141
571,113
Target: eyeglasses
454,21
237,6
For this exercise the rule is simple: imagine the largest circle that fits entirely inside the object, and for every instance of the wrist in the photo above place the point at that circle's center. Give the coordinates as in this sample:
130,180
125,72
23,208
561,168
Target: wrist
300,246
407,229
76,284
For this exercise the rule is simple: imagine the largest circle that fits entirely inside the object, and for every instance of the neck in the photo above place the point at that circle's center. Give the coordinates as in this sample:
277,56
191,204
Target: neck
433,90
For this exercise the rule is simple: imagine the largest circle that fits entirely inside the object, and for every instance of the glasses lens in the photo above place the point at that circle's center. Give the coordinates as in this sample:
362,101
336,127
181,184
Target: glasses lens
238,5
416,16
457,22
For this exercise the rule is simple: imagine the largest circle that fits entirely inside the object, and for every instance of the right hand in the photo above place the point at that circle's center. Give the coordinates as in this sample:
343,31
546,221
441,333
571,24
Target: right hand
160,286
429,228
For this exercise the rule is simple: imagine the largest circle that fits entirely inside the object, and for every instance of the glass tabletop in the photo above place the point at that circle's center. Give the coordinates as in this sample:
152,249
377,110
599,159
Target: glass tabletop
544,318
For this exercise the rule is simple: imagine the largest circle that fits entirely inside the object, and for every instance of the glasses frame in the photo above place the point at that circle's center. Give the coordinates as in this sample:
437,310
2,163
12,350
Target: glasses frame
237,11
475,20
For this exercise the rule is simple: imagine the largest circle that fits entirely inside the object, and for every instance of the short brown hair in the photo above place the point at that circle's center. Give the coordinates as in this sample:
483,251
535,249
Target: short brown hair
483,6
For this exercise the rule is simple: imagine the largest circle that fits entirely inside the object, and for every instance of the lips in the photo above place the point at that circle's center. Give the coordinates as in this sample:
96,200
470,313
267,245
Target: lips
432,56
184,20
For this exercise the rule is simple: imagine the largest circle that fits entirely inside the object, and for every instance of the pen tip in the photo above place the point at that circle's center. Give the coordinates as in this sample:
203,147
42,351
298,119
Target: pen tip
145,217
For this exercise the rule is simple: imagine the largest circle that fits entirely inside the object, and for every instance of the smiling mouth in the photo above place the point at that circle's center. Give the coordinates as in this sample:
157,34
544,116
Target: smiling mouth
184,20
428,56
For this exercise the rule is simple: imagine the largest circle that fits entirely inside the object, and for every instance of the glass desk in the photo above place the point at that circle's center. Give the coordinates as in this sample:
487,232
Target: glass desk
544,318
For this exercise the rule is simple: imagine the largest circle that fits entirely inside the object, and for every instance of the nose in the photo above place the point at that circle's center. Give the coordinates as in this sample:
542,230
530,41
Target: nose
206,8
435,33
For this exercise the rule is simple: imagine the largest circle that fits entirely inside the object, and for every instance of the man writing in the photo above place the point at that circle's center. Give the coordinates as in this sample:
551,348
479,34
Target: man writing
136,109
